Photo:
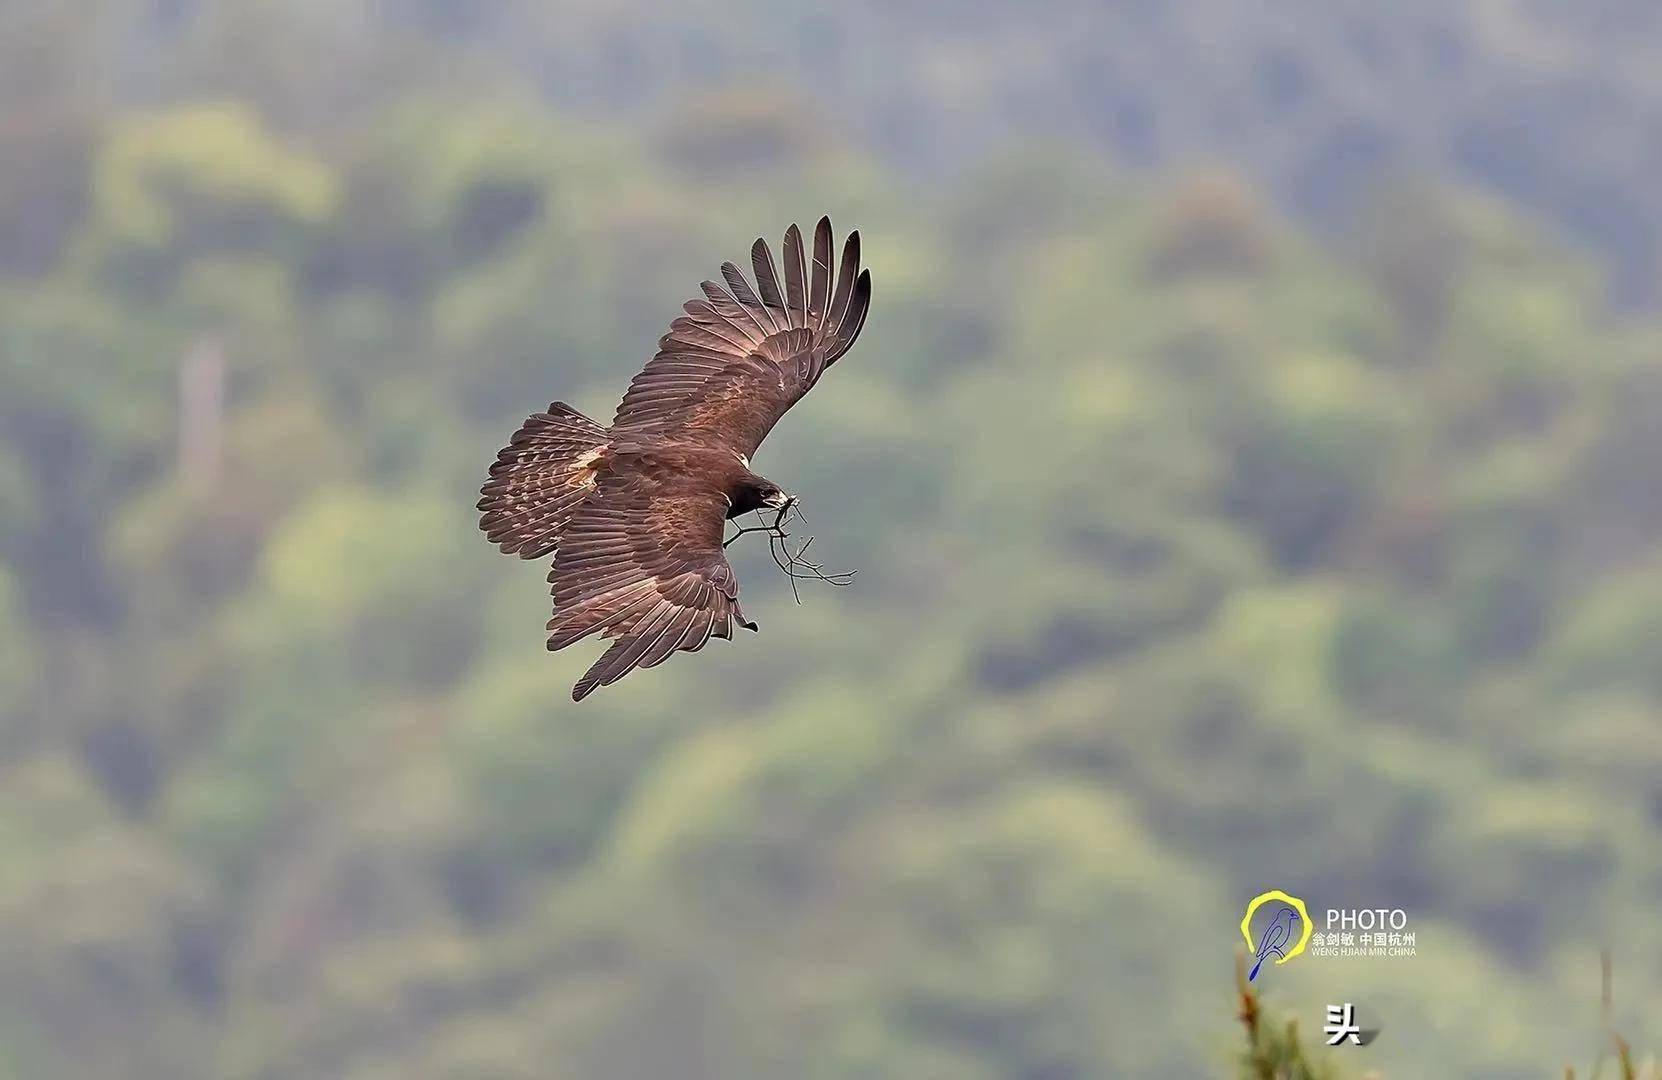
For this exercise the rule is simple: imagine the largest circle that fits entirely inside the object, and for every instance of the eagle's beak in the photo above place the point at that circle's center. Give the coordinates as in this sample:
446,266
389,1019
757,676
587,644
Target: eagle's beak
780,500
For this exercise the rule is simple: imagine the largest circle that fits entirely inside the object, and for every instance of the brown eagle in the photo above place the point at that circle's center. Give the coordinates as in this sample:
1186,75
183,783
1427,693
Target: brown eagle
634,513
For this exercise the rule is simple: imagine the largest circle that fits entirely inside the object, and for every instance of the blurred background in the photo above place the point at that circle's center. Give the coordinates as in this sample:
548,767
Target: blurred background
1250,462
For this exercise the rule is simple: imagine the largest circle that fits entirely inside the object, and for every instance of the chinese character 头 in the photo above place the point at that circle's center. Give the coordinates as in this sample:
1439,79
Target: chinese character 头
1342,1025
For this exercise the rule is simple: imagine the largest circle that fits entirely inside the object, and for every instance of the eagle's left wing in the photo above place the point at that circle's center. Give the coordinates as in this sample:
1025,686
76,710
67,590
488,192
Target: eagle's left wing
647,570
740,357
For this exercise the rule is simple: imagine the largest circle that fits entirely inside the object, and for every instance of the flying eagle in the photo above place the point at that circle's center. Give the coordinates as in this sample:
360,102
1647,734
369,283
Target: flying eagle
634,513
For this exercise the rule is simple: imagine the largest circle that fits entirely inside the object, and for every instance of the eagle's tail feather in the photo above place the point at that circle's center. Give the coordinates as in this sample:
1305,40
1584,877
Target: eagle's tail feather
539,479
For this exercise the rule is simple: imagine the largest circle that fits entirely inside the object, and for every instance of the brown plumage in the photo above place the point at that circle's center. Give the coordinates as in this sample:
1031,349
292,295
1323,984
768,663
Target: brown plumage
634,513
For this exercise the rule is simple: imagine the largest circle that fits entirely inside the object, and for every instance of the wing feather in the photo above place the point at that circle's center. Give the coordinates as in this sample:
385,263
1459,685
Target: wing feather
674,635
819,290
642,565
733,308
741,356
845,279
593,618
796,279
743,294
767,281
697,633
853,318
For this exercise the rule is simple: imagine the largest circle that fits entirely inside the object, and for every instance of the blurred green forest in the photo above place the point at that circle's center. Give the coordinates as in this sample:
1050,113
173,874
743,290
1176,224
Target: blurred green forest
1197,557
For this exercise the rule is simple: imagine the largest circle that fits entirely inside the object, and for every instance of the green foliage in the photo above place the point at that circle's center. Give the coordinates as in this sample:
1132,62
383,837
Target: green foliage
1274,1049
1193,556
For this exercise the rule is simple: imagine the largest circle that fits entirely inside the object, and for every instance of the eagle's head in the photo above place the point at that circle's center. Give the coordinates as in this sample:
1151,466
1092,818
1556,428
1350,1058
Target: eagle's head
757,493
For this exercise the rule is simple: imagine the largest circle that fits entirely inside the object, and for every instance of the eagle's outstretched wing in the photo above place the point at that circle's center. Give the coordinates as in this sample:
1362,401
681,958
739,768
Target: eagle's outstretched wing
638,550
739,358
647,570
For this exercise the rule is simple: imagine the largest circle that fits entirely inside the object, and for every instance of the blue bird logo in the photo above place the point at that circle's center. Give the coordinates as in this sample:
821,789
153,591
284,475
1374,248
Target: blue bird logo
1276,939
1286,935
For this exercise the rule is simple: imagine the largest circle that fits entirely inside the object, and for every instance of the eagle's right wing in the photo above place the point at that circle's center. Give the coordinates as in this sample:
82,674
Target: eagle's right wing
740,357
646,570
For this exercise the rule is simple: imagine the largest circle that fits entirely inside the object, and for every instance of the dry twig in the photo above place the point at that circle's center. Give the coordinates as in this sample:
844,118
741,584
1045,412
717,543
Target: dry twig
794,563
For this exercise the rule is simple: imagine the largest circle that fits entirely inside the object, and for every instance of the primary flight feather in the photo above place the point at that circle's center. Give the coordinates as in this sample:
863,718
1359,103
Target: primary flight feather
634,513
